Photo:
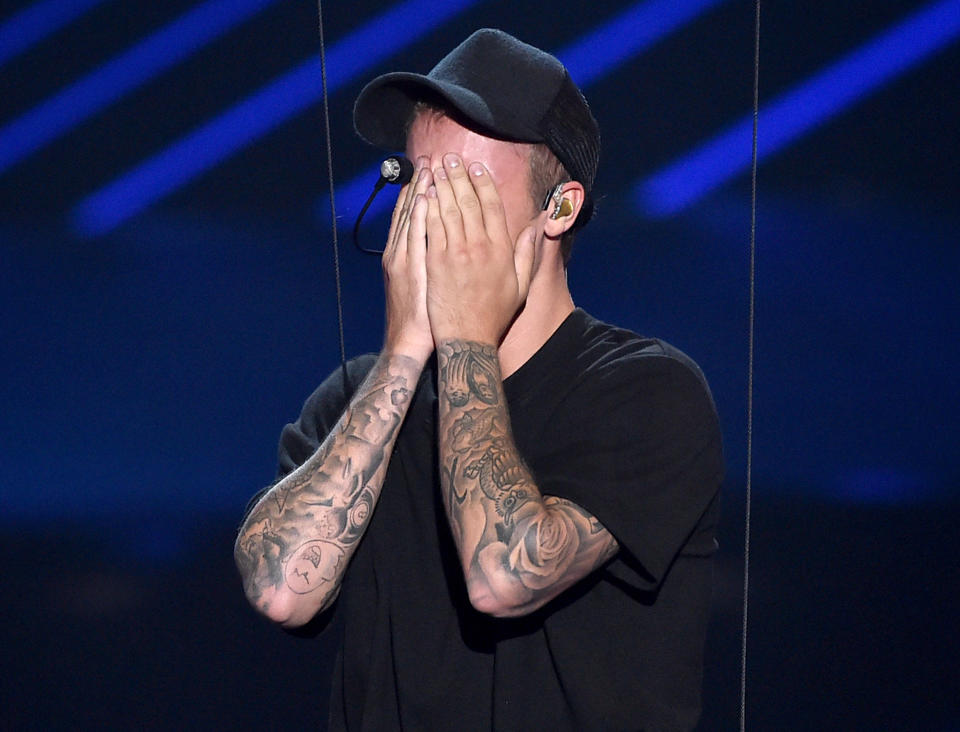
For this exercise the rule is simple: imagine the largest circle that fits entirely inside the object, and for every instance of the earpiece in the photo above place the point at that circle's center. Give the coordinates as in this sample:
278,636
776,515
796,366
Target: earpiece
564,208
561,206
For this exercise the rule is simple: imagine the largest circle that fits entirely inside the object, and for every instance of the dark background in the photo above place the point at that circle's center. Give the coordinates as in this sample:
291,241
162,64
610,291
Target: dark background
148,368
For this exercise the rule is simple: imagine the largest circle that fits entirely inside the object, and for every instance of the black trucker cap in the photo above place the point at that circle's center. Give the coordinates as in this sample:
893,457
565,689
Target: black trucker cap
505,87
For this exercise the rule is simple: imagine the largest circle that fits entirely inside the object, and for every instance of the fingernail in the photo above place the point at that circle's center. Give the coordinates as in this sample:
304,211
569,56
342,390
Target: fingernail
432,192
451,160
422,162
440,173
476,169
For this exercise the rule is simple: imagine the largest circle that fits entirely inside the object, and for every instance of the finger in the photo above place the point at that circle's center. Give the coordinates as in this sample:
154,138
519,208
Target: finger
523,255
491,205
468,204
409,194
418,186
448,207
395,217
417,233
436,233
422,178
401,211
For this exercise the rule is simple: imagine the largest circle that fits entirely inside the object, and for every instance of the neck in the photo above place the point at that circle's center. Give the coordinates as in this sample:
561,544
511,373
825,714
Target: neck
548,305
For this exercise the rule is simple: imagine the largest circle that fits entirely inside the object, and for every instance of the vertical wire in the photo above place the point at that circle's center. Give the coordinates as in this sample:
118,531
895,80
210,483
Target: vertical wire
333,207
752,323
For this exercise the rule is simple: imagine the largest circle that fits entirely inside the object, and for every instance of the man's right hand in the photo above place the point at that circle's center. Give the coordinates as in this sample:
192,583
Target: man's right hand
296,543
405,273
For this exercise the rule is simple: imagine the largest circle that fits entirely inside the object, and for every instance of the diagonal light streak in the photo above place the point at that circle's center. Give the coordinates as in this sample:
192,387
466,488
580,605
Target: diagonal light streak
628,35
250,119
35,22
587,59
122,74
801,109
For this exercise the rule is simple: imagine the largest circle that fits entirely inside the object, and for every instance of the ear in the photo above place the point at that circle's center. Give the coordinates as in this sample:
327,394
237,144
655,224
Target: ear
572,192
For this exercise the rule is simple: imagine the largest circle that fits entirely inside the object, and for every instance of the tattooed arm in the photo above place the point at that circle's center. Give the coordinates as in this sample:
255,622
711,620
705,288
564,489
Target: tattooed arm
295,544
518,548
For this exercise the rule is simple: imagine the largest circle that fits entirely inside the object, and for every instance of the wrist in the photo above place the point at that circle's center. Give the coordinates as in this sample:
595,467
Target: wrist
478,342
417,351
468,371
465,332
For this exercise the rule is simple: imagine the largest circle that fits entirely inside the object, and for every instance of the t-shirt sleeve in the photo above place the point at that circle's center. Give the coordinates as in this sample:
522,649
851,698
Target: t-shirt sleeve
641,451
319,415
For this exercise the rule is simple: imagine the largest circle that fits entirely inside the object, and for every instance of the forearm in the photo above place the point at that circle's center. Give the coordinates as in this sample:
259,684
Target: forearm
294,546
518,548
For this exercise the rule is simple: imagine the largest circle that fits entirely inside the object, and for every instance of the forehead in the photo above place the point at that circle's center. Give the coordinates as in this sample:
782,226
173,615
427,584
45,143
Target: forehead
433,134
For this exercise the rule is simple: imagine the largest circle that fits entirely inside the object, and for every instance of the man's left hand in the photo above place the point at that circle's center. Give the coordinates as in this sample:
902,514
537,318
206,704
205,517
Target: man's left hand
477,276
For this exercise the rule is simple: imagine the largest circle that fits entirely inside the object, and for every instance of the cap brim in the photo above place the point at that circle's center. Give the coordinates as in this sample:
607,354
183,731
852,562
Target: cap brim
384,107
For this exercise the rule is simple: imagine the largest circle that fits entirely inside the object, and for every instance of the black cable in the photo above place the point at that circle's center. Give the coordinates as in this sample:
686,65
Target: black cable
356,225
397,170
752,324
333,208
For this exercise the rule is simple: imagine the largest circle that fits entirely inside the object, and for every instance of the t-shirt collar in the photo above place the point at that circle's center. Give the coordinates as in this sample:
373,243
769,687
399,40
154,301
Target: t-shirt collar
558,347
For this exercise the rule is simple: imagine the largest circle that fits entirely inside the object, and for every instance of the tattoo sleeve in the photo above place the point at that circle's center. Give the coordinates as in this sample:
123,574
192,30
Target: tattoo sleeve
518,548
294,546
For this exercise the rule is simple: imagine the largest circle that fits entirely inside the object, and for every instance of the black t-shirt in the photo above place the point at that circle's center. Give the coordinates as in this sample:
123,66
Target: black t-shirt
625,427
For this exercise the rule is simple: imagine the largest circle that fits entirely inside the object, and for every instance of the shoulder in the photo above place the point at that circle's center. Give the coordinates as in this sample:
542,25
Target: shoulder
633,438
333,392
324,407
319,414
609,356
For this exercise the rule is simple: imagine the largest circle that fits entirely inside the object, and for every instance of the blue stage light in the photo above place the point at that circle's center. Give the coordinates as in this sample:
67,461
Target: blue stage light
800,110
131,69
627,35
257,115
35,22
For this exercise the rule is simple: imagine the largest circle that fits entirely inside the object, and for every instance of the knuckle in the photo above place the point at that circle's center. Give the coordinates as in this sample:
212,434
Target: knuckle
494,205
469,203
460,256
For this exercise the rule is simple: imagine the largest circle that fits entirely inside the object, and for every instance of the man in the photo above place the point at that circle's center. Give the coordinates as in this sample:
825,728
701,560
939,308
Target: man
514,511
